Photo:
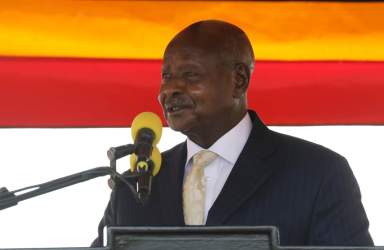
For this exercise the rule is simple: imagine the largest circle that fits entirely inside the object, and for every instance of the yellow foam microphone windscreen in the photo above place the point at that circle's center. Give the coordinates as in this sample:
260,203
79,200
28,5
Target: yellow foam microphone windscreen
147,120
155,157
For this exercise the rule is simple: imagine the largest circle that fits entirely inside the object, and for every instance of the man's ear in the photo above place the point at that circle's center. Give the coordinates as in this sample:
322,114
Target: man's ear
241,79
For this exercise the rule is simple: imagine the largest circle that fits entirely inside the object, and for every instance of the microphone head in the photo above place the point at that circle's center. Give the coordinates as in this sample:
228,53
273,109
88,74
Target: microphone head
147,120
155,157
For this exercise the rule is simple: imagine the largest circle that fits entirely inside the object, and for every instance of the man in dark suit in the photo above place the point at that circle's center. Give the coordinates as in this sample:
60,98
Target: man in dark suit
257,177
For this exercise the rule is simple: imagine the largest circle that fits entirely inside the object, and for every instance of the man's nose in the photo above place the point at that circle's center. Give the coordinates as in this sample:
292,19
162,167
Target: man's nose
171,88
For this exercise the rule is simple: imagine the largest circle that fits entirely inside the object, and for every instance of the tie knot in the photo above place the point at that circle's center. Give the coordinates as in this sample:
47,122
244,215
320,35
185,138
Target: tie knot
204,158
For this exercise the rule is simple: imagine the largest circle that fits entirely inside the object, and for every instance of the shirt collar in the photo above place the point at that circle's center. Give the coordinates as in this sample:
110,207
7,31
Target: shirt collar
228,146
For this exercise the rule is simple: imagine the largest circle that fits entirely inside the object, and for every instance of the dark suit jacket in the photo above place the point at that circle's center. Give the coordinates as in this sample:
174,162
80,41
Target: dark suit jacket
306,190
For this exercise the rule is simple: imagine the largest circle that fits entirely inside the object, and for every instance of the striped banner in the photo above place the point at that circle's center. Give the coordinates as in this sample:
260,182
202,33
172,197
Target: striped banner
97,63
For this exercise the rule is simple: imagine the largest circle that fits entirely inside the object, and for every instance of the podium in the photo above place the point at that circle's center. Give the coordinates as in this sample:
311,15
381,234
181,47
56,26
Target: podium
204,238
188,238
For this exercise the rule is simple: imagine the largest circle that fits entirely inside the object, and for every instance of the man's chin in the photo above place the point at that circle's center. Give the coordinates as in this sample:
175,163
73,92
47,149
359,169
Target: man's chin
179,126
180,121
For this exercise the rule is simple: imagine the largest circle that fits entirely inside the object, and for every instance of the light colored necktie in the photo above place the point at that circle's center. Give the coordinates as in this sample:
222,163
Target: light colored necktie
194,188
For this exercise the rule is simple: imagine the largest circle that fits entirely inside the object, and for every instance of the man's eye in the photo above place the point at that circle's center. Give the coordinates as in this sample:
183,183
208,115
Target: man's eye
191,75
165,76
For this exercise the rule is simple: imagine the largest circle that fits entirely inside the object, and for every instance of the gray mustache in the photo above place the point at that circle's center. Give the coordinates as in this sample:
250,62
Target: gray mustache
177,102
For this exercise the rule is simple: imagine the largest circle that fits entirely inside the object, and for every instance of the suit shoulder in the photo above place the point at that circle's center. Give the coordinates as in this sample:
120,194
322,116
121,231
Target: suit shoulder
298,146
303,151
311,165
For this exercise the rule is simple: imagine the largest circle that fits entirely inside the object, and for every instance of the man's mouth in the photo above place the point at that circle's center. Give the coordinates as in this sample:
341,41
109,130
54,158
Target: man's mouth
174,109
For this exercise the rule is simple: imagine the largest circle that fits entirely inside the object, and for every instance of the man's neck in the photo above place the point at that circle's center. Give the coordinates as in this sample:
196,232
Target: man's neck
228,146
207,138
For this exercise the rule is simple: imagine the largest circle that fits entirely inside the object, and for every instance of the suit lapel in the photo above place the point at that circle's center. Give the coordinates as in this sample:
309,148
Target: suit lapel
172,184
248,174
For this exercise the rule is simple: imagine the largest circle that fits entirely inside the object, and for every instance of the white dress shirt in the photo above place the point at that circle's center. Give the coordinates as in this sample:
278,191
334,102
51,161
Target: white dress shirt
228,148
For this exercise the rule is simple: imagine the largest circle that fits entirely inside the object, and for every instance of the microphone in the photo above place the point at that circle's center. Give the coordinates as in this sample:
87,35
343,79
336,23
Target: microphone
146,132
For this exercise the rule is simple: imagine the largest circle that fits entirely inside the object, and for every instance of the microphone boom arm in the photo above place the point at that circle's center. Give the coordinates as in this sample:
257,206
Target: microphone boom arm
10,198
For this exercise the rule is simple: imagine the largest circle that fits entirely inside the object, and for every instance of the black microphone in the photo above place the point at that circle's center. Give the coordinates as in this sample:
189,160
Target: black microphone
146,161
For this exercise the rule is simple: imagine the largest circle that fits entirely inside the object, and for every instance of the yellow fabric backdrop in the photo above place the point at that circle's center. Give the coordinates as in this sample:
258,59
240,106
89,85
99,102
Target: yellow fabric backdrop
141,29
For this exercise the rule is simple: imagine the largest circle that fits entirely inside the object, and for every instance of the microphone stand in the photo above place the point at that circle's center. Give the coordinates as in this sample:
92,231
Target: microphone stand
11,198
116,153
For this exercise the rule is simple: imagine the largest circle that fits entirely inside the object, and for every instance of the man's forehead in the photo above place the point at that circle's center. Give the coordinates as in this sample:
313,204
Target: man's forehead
188,54
191,47
184,52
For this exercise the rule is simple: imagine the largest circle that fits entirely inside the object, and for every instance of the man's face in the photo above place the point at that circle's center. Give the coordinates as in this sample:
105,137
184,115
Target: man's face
196,91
